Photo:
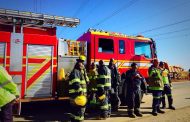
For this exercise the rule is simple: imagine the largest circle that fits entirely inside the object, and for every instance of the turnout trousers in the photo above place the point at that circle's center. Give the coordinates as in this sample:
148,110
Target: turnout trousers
157,95
168,92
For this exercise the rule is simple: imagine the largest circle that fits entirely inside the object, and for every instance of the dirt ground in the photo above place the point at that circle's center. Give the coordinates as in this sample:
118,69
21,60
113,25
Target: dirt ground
56,110
179,115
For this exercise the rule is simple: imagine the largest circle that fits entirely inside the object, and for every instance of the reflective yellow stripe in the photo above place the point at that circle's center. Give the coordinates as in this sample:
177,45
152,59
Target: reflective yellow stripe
105,107
44,57
104,76
168,94
82,82
107,84
94,89
156,97
75,91
100,85
79,117
155,88
92,77
84,90
74,81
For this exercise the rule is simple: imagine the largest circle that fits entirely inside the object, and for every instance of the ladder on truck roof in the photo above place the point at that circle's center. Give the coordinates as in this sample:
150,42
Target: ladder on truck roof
9,17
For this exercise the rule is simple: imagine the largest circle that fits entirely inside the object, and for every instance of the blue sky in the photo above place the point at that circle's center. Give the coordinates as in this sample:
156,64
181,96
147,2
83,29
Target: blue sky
166,21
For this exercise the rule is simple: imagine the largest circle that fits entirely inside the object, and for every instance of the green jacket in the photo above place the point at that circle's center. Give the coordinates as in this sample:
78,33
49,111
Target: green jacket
155,79
8,89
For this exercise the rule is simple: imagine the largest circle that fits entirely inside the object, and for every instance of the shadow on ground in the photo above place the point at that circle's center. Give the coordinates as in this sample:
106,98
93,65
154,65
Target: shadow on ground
45,111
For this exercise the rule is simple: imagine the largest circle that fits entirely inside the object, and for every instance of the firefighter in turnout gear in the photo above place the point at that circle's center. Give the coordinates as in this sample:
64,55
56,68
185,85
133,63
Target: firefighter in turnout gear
156,86
8,95
167,87
103,90
115,81
77,93
134,80
82,59
92,87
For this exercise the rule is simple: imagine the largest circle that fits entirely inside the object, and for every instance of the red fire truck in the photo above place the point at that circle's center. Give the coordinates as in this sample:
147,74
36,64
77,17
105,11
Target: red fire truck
31,53
103,45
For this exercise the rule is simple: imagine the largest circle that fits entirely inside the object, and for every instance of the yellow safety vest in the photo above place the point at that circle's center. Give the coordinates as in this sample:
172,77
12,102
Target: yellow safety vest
158,78
165,79
8,89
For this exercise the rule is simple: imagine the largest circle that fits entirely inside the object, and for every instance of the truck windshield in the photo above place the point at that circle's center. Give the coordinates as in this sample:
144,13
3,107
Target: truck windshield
143,48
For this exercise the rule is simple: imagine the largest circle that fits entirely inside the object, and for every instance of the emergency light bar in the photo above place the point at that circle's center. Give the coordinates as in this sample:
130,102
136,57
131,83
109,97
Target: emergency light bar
107,33
35,19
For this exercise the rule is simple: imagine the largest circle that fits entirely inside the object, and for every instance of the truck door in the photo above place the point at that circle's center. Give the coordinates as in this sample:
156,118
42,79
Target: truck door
104,48
39,71
123,54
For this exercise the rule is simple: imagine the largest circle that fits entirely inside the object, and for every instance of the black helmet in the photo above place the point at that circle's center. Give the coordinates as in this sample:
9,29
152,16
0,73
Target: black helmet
133,64
101,62
161,63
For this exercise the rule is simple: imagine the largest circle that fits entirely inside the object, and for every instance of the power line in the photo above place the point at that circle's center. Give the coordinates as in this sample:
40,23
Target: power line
94,8
156,14
130,3
165,26
184,35
81,7
171,32
90,12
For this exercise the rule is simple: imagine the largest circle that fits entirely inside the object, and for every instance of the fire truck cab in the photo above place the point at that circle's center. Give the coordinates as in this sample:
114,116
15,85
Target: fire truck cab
103,45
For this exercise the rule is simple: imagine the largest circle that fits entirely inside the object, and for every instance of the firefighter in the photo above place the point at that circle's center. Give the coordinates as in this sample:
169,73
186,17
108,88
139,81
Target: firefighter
134,80
167,86
77,92
156,86
9,94
93,74
103,90
115,81
82,59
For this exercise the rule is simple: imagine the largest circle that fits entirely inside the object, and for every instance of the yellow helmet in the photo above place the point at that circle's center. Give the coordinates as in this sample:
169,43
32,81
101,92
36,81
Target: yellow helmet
82,57
80,100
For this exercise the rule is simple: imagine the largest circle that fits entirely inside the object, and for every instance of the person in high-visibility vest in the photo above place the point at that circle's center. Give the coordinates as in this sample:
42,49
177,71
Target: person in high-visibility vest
77,93
167,88
156,86
8,95
93,75
103,90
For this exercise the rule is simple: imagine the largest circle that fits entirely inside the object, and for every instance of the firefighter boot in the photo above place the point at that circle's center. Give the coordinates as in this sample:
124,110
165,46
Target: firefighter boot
131,114
138,113
160,111
170,101
154,112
